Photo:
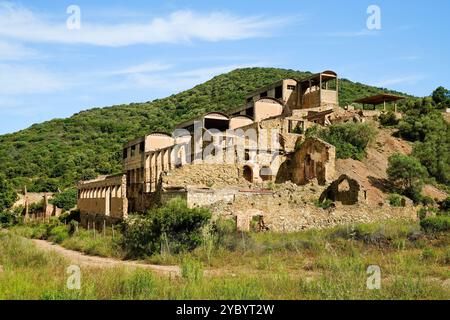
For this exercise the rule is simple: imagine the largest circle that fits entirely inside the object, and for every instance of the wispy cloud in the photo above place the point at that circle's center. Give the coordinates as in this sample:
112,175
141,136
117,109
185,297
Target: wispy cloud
406,80
19,79
143,68
13,51
175,80
18,22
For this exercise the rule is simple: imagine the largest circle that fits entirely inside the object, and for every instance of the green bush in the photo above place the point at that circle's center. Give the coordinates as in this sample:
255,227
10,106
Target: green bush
405,171
388,119
8,219
427,201
7,194
350,139
174,228
439,223
40,231
396,200
65,200
445,205
59,234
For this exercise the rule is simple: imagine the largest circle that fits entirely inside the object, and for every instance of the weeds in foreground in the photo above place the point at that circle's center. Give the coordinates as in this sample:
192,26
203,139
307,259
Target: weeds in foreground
315,264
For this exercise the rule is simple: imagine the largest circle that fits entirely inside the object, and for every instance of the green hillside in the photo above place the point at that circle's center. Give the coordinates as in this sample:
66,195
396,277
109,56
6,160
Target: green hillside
60,152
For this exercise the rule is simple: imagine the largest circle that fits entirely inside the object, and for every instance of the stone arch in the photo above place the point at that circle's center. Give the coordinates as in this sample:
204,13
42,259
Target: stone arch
265,173
345,190
248,173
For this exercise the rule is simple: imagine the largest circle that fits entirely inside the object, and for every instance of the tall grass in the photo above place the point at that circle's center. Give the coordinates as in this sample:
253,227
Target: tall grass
315,264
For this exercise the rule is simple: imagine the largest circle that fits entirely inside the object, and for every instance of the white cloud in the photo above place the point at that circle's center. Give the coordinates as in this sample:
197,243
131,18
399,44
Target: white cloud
176,80
19,79
12,51
406,80
143,68
20,23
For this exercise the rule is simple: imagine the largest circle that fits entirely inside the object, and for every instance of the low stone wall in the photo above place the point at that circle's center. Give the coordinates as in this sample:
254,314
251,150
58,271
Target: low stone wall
196,197
291,208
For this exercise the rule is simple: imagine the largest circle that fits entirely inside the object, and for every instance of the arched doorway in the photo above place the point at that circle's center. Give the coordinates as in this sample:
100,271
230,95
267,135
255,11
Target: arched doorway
248,173
265,173
309,168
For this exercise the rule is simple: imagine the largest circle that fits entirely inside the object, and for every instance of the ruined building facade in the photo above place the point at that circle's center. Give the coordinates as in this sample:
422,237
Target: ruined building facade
218,157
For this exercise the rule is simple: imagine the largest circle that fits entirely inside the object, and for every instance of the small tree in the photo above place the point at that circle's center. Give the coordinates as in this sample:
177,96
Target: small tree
7,194
407,173
65,200
441,97
173,227
388,119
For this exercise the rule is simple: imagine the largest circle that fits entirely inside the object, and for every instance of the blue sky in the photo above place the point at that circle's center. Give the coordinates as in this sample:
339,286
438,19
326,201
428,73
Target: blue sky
133,51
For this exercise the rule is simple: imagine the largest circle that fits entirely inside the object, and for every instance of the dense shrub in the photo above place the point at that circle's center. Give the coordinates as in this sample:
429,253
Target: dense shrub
426,212
445,205
396,200
59,234
439,223
388,119
174,228
65,200
8,218
350,139
7,194
407,174
427,201
424,124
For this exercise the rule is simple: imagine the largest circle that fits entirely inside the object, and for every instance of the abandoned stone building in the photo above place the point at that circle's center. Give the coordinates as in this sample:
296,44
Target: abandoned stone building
227,159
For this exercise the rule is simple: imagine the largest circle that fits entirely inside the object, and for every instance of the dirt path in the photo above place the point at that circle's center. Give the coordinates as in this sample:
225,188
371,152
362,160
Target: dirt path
81,259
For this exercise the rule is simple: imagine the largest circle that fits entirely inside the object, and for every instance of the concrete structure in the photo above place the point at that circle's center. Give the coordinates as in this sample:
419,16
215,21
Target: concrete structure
216,157
105,196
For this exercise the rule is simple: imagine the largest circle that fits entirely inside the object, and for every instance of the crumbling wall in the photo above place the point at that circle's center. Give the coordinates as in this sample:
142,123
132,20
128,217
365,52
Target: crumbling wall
344,190
290,208
204,175
314,160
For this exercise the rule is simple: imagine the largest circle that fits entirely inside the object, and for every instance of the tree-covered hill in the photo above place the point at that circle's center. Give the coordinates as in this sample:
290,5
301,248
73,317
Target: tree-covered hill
60,152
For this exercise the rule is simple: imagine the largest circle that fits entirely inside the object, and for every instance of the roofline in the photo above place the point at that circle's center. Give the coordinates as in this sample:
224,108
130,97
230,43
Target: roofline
273,99
380,98
200,118
330,73
267,87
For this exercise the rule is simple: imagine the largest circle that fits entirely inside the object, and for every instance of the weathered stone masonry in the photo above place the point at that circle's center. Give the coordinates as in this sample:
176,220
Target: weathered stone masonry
267,146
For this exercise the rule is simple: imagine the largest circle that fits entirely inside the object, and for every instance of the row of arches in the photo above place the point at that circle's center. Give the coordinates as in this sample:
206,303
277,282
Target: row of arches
252,173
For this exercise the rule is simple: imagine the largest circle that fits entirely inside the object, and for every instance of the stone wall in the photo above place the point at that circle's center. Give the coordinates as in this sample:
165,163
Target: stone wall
344,190
198,197
314,160
204,175
290,208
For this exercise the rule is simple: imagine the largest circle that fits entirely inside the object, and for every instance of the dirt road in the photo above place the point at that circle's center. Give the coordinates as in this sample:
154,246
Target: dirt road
81,259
